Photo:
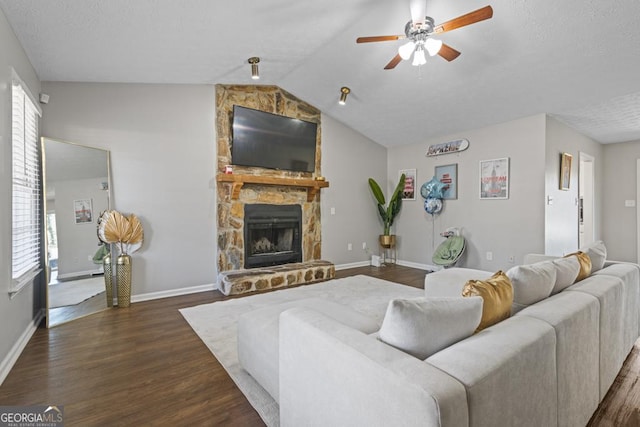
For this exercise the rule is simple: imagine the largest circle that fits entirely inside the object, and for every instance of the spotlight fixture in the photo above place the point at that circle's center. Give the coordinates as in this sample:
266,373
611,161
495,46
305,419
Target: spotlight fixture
344,91
255,74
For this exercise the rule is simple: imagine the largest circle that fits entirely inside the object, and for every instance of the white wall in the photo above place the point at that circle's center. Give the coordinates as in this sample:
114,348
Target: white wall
512,227
619,231
561,217
17,314
162,143
348,160
77,242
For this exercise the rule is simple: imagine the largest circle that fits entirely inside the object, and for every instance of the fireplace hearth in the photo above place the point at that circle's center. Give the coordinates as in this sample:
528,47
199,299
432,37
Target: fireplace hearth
272,235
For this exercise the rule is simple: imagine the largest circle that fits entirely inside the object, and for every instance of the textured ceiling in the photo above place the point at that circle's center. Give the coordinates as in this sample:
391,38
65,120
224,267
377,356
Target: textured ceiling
577,60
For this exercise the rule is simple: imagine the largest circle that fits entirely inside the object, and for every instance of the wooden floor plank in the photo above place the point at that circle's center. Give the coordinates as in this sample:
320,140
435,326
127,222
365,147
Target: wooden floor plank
145,366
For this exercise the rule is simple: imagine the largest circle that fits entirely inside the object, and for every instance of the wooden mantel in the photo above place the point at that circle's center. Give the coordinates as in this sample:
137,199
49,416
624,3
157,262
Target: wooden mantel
312,185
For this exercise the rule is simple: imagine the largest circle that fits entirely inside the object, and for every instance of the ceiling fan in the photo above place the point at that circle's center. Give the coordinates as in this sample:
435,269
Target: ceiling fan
419,31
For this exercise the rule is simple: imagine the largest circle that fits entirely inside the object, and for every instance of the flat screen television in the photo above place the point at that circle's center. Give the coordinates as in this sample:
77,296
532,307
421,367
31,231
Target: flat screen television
272,141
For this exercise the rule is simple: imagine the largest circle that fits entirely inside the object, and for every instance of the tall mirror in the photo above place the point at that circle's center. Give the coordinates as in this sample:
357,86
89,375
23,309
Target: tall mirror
77,189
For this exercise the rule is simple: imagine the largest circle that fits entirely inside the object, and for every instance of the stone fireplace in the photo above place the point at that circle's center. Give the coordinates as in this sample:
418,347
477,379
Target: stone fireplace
272,235
241,249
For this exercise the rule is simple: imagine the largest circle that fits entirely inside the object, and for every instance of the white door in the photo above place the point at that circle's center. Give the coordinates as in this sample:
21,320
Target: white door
585,201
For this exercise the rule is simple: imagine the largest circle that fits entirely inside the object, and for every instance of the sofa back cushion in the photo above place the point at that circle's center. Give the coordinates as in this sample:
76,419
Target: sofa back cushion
585,264
597,253
497,296
567,270
424,326
531,283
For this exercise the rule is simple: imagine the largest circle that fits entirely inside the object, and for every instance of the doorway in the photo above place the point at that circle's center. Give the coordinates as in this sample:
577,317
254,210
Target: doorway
586,183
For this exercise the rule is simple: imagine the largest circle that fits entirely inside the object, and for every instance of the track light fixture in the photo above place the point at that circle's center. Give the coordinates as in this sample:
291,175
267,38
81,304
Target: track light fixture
255,74
344,91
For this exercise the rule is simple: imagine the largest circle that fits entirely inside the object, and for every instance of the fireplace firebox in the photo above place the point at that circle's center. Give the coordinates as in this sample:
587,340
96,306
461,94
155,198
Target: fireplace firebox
272,235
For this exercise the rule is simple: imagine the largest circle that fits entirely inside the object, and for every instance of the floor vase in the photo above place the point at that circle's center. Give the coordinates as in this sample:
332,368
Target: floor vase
123,272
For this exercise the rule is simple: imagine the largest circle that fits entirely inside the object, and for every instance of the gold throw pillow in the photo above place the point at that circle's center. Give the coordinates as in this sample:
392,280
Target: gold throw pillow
585,265
497,295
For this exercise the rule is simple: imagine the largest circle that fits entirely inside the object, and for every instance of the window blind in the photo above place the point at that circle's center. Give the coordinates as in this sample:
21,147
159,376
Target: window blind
26,188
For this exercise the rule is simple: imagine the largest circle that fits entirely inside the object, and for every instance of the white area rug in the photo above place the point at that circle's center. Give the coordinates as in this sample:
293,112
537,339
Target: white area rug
74,292
215,323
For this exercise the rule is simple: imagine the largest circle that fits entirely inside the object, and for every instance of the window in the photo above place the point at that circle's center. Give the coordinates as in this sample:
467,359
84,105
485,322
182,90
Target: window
26,188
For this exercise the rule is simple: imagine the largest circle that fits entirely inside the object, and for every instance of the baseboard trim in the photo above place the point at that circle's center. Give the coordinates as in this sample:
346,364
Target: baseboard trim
419,266
173,293
18,347
353,265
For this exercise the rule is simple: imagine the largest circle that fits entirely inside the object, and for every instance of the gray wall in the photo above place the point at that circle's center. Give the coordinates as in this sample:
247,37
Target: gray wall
162,143
561,217
507,228
16,314
620,183
348,160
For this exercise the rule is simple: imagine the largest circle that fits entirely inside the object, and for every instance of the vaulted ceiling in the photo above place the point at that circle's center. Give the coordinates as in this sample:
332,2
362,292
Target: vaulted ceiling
577,60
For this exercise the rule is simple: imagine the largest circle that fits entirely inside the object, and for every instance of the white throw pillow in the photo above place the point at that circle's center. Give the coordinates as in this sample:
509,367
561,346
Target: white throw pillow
567,270
533,282
424,326
597,252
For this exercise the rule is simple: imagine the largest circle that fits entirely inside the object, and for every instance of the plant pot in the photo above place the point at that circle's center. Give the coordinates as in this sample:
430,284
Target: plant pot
124,280
388,241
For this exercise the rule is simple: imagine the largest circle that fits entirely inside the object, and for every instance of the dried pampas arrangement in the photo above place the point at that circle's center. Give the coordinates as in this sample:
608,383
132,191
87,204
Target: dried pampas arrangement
125,231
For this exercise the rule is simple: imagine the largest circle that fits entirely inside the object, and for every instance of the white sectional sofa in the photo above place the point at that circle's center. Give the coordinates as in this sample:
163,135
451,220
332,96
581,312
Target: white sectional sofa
549,364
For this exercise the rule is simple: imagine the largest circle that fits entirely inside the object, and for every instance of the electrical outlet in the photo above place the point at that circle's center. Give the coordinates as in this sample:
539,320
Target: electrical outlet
333,211
489,256
349,247
364,245
90,257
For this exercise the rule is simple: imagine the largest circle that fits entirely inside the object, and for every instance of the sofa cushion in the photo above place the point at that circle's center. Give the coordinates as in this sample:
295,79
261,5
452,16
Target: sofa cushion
424,326
597,253
532,283
567,270
258,334
497,295
585,264
449,282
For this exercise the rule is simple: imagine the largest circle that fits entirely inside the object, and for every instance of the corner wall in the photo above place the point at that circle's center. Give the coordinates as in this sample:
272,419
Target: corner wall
561,217
17,315
619,176
162,143
506,228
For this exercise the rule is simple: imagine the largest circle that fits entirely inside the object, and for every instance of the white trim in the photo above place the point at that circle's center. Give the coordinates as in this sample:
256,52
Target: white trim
638,210
353,265
426,267
15,352
23,281
173,292
367,263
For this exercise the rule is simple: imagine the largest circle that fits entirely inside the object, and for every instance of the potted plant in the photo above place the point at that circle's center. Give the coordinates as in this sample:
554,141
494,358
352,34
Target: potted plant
388,213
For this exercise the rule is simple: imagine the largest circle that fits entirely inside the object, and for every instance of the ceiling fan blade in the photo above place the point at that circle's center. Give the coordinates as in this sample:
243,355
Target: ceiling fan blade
464,20
418,11
392,64
378,39
448,53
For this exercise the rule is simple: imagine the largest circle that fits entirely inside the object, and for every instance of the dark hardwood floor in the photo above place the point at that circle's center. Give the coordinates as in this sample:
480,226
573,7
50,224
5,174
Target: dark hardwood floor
145,366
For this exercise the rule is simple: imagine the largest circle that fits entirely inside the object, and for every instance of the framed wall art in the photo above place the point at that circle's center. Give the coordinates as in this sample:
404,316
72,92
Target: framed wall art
448,174
565,170
409,190
83,211
494,178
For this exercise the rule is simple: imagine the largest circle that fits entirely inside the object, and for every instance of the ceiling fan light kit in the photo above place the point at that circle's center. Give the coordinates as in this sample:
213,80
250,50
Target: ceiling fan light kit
419,32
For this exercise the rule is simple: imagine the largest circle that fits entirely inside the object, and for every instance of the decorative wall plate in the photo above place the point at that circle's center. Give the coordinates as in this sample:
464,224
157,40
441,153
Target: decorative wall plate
447,147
